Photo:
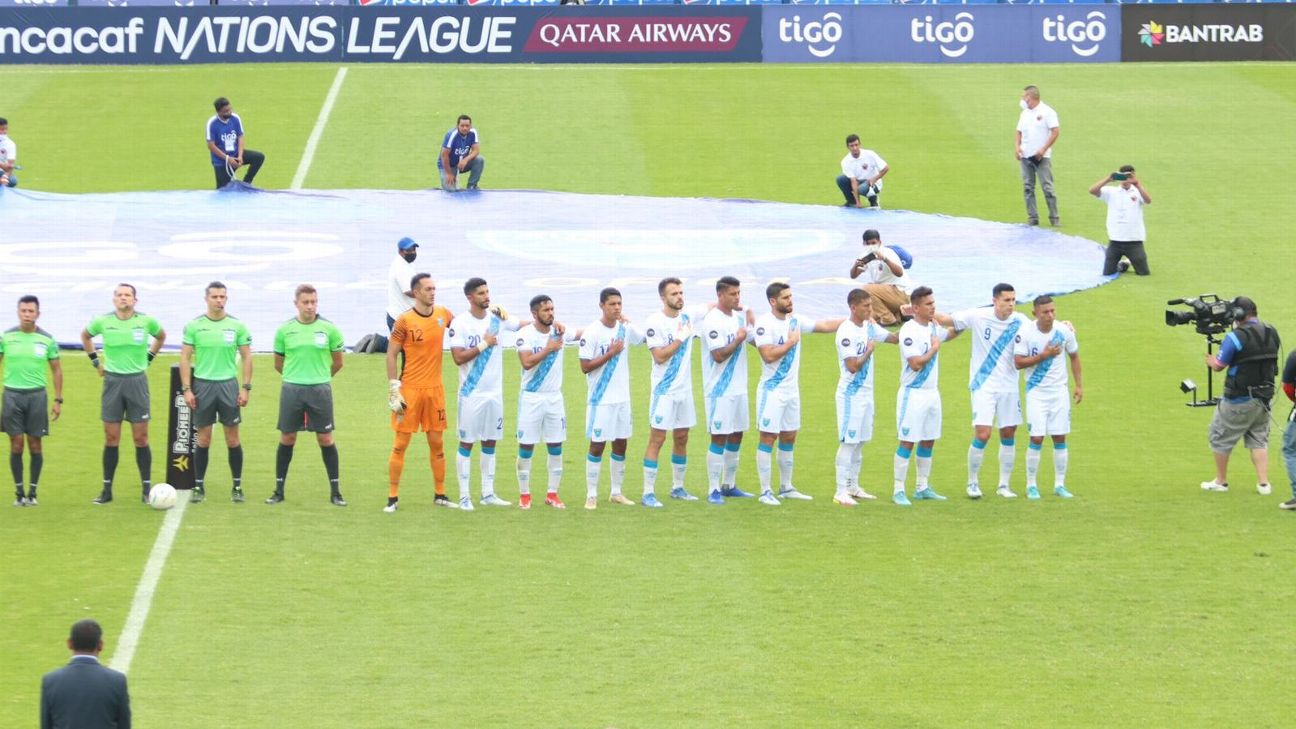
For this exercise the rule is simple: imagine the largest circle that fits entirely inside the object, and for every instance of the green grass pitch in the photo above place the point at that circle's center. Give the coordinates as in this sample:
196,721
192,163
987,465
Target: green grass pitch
1142,602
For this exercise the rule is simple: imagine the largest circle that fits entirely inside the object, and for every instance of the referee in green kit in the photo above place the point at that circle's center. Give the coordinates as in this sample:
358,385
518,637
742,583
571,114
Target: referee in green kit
127,353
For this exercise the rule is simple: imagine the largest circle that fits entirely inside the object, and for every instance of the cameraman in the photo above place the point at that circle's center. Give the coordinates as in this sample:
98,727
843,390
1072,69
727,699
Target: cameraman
1250,354
1289,435
885,279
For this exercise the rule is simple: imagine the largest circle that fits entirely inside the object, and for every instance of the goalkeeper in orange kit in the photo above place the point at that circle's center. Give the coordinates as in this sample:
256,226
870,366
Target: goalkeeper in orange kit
416,395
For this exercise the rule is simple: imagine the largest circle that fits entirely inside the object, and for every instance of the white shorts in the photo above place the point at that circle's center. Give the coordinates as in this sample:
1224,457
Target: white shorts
481,417
608,421
778,410
1048,412
854,418
728,414
918,414
541,418
672,410
1004,407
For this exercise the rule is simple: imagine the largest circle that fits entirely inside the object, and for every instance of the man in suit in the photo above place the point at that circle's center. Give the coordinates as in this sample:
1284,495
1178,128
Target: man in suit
85,694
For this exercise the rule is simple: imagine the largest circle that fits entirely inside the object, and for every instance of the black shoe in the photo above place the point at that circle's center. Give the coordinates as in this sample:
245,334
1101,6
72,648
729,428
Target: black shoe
236,494
1289,505
393,503
144,492
443,500
31,499
337,500
197,495
1056,222
1123,266
275,498
1032,221
105,496
19,500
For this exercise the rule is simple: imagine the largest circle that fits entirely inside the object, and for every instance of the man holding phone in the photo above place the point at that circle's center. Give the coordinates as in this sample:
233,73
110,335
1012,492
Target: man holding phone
1125,231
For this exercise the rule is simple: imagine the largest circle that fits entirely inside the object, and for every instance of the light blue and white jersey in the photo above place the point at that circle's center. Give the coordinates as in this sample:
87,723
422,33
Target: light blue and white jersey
991,368
783,374
915,340
722,379
225,134
675,375
547,376
610,383
484,374
852,340
1050,374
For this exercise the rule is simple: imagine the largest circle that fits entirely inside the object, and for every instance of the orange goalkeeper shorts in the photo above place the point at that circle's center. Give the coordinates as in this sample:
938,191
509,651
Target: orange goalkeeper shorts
425,410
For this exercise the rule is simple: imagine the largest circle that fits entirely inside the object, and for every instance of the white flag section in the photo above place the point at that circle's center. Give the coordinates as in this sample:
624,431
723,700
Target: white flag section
71,250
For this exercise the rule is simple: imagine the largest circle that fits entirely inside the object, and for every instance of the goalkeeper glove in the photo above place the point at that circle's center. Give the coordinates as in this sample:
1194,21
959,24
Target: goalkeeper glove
499,311
395,400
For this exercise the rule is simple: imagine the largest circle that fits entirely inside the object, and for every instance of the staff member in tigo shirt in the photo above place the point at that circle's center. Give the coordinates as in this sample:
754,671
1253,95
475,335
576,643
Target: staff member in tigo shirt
225,141
461,152
399,274
1125,232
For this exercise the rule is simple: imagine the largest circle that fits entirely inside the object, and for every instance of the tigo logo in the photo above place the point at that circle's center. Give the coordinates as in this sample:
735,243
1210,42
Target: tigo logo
1083,35
952,35
820,36
1151,34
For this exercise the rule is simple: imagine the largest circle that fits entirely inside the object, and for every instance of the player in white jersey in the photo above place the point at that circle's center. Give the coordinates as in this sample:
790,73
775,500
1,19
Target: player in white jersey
1048,404
778,395
474,346
541,414
918,404
993,380
669,334
856,339
606,364
724,387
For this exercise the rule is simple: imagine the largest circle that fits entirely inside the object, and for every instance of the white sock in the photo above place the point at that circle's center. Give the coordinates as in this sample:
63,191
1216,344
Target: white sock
618,473
900,470
592,469
555,472
763,458
922,465
679,466
524,475
488,473
857,460
650,476
843,462
463,471
785,469
1060,457
1007,457
715,469
976,452
730,468
1032,464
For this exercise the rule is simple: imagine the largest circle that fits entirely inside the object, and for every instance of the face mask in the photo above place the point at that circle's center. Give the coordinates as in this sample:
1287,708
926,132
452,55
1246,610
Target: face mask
410,256
1023,105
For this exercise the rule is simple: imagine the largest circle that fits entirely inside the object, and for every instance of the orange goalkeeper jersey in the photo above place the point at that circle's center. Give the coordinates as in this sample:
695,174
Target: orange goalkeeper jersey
420,338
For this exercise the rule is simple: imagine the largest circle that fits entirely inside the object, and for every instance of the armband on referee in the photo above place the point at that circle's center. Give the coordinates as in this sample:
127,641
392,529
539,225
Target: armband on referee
94,359
151,357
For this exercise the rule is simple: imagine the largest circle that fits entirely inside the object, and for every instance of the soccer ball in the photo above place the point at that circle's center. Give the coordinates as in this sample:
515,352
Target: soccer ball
162,496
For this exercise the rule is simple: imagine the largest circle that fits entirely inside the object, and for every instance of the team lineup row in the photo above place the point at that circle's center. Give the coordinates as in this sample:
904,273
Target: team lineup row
308,350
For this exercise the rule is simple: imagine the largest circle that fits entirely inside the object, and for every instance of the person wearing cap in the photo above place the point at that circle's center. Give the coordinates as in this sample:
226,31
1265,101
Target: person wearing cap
1250,354
885,279
399,274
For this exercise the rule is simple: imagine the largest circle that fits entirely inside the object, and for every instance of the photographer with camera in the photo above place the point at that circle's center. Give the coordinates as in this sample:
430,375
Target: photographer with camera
1250,354
885,279
1125,231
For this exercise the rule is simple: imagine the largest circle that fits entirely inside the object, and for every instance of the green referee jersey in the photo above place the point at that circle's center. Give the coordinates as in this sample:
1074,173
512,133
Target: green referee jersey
216,343
307,350
26,358
125,341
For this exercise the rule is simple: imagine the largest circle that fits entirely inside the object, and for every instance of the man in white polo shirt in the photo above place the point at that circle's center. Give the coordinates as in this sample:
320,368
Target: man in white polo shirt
862,173
1037,130
1125,232
399,274
885,279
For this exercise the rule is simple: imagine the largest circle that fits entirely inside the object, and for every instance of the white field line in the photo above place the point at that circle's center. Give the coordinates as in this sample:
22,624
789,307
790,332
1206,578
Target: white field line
313,141
139,609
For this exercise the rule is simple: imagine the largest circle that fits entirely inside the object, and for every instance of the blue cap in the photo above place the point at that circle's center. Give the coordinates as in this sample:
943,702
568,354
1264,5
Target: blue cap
406,243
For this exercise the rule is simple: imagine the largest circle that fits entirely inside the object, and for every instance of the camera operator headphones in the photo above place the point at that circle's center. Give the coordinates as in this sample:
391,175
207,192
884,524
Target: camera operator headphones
1237,310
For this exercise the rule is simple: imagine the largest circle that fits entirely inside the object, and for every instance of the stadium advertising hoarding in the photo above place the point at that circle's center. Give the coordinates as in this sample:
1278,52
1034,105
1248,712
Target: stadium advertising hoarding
1209,33
362,34
943,34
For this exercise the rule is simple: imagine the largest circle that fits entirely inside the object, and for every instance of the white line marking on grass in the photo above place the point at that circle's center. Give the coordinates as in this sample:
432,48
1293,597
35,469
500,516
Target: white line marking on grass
313,141
139,608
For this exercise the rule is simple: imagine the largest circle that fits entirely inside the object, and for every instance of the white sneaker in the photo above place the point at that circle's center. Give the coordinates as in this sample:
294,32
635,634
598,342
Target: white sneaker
1213,485
768,499
465,503
1264,489
1005,492
974,491
493,500
856,492
844,499
792,493
392,506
